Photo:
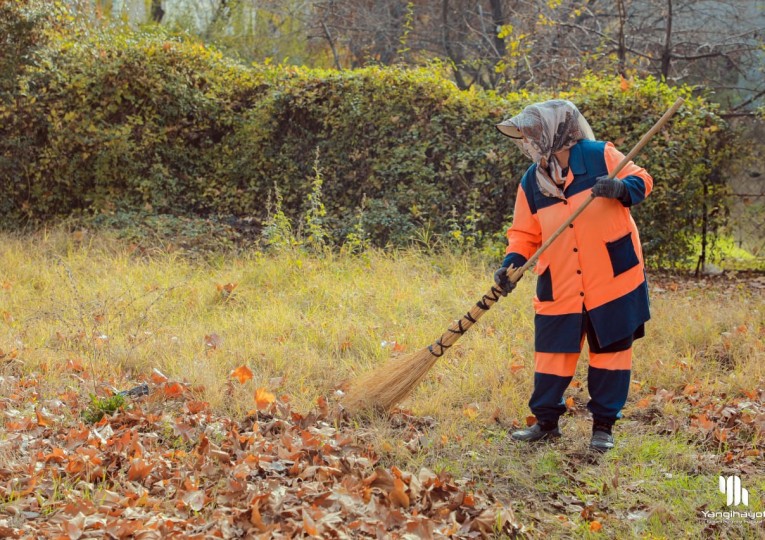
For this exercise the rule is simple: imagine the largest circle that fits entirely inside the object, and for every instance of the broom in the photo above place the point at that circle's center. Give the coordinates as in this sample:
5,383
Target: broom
387,385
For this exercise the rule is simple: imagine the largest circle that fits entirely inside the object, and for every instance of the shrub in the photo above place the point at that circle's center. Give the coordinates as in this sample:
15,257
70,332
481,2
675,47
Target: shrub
110,121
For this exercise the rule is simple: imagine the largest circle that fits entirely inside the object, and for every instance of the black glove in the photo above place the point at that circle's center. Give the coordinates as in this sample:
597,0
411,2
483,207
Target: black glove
609,188
501,279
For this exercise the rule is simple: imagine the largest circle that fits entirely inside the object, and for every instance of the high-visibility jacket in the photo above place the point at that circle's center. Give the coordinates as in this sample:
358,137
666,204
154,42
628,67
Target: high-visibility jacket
595,264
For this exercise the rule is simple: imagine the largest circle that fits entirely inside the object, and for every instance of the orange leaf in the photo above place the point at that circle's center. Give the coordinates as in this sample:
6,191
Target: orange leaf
228,288
58,455
531,420
398,496
515,368
689,390
398,347
309,525
263,398
139,469
624,84
75,364
701,421
195,407
643,403
595,526
157,377
570,403
576,384
173,390
42,419
471,411
242,374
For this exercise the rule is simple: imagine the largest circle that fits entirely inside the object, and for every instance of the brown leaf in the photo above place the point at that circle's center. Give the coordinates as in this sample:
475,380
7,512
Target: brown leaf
157,377
531,420
213,341
139,470
43,420
75,364
242,374
702,422
643,403
309,525
398,496
173,390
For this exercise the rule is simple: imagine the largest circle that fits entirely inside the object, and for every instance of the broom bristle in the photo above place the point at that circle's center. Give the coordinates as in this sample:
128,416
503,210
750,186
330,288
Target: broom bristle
385,386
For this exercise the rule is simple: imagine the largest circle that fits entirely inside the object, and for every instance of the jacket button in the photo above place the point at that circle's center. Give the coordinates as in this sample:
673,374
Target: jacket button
575,250
571,225
581,294
565,202
578,271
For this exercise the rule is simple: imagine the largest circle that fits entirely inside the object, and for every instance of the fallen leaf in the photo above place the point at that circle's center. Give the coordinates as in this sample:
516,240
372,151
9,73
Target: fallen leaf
194,499
263,398
242,374
139,470
570,403
398,496
157,377
43,420
643,403
595,526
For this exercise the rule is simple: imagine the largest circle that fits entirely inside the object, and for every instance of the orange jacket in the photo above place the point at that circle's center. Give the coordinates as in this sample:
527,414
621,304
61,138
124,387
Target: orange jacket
595,264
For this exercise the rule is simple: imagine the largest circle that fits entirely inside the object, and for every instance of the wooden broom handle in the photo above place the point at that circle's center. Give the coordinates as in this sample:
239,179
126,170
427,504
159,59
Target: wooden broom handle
517,273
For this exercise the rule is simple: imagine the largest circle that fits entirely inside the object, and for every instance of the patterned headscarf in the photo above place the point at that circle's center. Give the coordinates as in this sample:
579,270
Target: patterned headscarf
543,129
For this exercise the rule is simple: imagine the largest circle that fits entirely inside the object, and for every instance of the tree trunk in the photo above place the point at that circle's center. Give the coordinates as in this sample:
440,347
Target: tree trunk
666,53
621,50
446,38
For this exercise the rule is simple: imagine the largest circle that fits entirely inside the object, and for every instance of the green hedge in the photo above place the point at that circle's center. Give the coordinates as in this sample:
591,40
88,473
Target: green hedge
101,123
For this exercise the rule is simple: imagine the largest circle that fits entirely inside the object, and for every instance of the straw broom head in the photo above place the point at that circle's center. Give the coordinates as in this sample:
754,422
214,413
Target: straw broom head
385,386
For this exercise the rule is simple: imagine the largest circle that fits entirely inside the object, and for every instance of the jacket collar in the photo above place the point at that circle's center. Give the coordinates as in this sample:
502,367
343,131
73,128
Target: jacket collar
576,160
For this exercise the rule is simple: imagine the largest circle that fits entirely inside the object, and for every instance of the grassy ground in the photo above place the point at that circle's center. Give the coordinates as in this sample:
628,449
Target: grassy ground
80,309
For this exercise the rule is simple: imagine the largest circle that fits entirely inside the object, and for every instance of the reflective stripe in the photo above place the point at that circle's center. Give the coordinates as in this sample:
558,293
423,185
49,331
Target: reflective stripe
611,360
560,364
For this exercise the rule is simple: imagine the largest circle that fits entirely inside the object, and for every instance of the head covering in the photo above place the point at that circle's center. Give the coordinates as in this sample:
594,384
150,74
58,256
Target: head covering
543,129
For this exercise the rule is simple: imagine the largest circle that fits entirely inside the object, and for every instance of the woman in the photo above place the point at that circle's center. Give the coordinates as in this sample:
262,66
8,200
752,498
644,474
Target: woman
591,279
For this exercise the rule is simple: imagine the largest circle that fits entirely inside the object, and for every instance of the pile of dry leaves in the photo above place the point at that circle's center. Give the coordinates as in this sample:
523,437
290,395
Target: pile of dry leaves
165,466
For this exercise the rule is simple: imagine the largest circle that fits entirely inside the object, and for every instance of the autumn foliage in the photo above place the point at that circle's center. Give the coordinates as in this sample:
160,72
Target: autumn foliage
167,466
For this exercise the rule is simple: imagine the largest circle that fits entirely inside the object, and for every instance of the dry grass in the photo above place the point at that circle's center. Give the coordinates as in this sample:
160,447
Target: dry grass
79,309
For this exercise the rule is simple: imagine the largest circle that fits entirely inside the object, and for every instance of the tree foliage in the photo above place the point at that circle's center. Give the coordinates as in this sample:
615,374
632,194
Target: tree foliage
110,121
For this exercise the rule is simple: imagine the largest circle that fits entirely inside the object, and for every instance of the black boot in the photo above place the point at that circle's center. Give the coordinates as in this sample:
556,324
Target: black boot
537,432
602,438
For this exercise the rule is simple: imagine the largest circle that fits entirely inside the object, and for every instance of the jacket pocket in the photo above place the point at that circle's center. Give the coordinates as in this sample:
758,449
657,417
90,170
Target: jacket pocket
622,254
544,284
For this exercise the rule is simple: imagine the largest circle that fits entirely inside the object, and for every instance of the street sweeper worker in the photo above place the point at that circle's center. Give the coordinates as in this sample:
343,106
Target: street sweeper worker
591,280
